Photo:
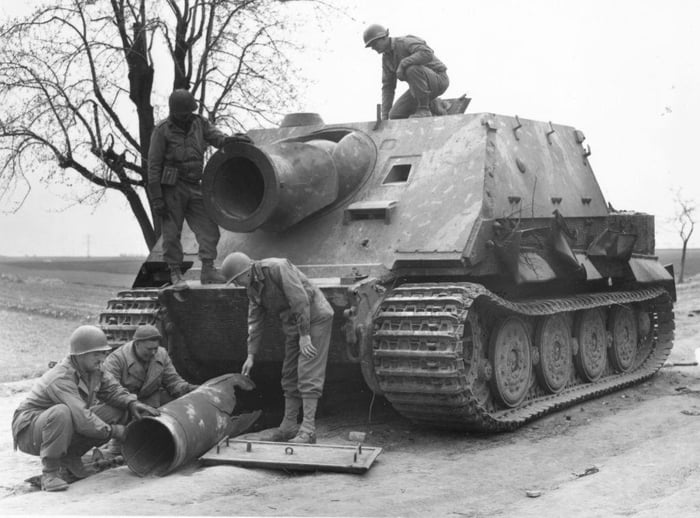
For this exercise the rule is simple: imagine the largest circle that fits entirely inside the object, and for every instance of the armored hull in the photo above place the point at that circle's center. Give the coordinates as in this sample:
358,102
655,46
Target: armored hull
478,276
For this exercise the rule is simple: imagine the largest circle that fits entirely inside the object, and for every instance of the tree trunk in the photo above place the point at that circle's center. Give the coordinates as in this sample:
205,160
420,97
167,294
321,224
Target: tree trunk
680,277
137,208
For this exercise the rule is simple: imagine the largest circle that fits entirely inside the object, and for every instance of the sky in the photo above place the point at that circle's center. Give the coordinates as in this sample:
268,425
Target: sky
626,73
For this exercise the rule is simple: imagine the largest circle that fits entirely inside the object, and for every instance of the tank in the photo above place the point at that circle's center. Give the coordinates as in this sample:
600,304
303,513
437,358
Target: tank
479,278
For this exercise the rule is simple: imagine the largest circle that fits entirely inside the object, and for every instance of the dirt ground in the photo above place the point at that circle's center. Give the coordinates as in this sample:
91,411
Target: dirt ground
632,453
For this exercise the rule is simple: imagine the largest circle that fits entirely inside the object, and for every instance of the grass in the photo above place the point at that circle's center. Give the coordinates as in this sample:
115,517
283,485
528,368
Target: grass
40,308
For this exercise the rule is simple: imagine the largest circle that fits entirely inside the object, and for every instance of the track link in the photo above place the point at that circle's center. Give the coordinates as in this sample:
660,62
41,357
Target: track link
126,312
430,350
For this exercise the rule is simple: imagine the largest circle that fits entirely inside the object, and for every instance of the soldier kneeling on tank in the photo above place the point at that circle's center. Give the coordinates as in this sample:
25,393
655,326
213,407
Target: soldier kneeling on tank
278,287
72,408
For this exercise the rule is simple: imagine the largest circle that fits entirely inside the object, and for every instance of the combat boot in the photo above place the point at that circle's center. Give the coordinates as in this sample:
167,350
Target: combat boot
50,479
289,426
210,275
422,111
439,107
111,450
72,463
176,280
307,431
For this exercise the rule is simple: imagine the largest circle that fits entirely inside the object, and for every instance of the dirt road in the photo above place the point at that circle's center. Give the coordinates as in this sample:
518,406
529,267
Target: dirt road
632,453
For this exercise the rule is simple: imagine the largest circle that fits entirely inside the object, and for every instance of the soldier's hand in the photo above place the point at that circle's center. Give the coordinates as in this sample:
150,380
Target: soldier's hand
401,72
140,410
118,432
238,138
306,347
160,207
248,365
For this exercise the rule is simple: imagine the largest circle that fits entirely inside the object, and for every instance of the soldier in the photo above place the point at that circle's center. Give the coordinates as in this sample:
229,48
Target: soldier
175,163
144,368
407,58
277,287
60,421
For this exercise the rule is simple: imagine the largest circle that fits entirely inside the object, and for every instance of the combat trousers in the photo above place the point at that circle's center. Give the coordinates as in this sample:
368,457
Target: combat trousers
52,435
184,201
303,377
424,85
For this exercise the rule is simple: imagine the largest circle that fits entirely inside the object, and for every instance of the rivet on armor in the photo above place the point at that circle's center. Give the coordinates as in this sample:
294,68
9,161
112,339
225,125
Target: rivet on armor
521,165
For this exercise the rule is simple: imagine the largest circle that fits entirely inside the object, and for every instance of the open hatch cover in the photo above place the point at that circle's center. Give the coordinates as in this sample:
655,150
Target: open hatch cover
293,457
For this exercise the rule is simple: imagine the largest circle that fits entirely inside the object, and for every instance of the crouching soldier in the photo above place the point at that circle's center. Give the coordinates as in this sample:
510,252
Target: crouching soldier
62,417
144,368
277,287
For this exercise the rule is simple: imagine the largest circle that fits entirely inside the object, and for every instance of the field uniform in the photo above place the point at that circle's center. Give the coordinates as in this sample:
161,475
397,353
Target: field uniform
62,413
426,76
279,288
175,164
155,383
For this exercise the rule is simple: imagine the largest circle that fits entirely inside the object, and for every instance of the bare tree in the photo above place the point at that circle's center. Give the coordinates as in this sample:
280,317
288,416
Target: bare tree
685,221
77,80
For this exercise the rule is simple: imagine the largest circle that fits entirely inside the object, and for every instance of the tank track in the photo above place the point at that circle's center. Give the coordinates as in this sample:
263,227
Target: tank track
126,312
430,352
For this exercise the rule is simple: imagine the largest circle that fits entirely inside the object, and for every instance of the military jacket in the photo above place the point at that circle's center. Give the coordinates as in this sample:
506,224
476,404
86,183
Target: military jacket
280,288
78,390
172,146
407,51
146,380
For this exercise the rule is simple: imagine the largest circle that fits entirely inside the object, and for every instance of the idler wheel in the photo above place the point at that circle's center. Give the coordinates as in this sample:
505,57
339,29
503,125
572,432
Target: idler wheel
625,338
509,349
556,352
592,339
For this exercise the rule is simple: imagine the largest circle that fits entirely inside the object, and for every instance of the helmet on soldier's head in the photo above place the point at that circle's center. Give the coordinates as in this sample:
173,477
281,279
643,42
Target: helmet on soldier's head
235,264
374,32
88,339
146,332
182,102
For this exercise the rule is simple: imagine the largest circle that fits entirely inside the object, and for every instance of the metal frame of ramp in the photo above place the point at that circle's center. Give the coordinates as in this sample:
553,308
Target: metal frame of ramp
292,457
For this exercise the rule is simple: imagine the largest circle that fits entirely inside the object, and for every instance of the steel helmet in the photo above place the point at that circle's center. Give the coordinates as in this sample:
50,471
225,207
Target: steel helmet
374,32
147,332
182,102
88,339
235,264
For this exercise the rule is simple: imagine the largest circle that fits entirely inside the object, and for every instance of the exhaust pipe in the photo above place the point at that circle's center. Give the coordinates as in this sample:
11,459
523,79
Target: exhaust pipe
185,429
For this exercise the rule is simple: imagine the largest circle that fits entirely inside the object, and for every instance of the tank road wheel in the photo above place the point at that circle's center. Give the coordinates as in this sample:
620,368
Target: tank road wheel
556,352
512,363
623,327
592,344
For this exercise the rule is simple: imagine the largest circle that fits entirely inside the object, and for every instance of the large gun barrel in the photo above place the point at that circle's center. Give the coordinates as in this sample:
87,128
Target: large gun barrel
274,186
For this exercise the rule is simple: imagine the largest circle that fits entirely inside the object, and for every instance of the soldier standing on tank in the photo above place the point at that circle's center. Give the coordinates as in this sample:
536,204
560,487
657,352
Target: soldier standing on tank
277,287
175,164
407,58
61,419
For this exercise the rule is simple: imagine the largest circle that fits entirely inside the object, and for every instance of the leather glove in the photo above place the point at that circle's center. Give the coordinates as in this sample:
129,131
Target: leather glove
238,138
140,410
118,432
160,207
